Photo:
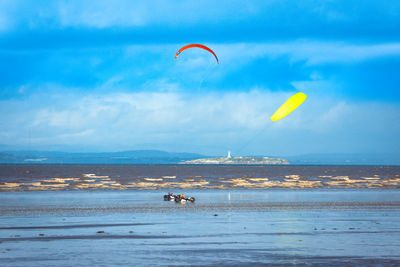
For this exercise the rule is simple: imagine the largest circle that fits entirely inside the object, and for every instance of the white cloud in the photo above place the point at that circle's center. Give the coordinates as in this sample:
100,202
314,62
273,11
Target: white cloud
261,14
6,21
101,14
3,23
208,123
311,51
196,65
120,13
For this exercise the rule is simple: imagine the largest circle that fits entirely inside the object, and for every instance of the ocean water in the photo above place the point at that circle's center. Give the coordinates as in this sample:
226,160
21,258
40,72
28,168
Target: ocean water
222,228
27,172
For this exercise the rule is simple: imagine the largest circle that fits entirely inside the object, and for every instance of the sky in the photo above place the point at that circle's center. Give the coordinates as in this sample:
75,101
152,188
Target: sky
91,76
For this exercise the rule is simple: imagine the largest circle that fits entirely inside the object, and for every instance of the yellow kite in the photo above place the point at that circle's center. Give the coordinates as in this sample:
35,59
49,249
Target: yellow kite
291,104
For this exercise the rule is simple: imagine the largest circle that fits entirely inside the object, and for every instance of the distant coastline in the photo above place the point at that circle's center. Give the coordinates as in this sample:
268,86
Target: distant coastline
164,157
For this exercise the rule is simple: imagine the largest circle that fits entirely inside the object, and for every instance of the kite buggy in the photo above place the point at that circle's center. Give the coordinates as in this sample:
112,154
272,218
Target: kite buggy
178,198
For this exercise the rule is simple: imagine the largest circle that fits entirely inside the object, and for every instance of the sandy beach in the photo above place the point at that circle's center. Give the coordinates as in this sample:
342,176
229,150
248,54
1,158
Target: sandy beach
223,227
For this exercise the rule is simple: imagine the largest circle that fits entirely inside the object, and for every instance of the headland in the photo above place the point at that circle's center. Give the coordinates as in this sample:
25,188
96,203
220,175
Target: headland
239,161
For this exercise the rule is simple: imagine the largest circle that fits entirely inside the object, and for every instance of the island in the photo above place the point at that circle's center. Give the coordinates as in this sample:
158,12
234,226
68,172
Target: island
239,161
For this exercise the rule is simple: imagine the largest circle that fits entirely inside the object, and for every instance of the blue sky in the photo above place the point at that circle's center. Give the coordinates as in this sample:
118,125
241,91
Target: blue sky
101,76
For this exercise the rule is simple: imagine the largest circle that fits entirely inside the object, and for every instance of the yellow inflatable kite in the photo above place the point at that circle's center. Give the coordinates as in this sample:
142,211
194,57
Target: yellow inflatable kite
291,104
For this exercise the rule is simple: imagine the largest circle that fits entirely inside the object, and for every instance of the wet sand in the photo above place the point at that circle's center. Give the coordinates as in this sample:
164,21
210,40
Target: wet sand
223,227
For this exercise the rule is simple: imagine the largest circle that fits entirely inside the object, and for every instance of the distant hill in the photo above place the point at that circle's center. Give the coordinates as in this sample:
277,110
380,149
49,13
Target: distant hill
124,157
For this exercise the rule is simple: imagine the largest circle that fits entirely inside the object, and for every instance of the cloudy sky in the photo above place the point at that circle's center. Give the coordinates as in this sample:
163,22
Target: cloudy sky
101,76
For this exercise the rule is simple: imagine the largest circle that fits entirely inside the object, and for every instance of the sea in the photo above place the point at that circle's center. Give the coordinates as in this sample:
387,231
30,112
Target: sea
233,226
121,171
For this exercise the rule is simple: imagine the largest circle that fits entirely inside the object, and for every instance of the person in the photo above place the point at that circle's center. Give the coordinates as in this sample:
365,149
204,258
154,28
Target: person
170,194
182,196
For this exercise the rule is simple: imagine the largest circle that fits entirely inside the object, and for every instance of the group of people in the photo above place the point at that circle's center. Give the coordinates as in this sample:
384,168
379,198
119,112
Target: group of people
181,195
178,198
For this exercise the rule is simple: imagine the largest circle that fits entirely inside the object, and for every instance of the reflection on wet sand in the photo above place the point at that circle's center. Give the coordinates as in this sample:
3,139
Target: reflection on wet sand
239,227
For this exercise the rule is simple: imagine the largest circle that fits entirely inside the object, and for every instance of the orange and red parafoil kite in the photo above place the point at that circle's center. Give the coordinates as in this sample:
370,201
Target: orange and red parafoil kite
196,45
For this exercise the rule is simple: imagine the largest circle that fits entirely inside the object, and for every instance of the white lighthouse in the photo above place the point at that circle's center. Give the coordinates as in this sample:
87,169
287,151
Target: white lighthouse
229,154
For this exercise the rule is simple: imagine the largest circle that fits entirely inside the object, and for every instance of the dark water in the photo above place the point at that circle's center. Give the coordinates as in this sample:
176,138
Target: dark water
27,172
222,228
